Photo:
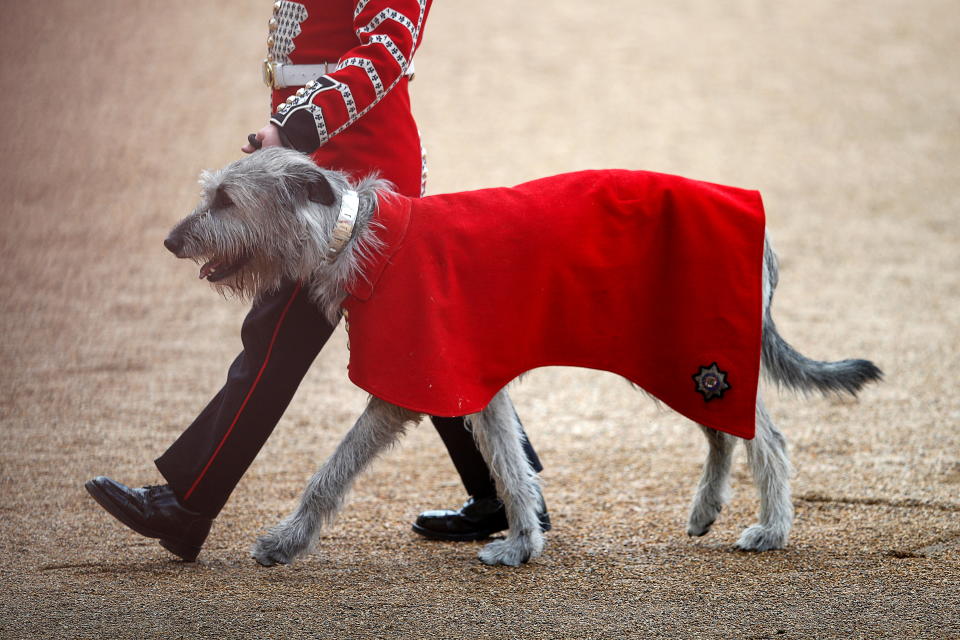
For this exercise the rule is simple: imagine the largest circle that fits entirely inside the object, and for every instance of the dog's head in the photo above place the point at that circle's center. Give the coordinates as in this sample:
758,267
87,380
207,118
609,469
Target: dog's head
249,228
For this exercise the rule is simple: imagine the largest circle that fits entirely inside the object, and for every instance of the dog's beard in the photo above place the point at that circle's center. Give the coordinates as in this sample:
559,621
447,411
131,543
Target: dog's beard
217,269
250,280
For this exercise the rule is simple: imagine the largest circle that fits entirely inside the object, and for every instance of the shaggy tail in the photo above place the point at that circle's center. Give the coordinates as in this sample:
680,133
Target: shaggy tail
786,366
792,369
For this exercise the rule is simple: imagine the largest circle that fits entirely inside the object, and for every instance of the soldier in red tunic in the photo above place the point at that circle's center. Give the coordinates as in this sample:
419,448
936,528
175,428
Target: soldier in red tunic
339,72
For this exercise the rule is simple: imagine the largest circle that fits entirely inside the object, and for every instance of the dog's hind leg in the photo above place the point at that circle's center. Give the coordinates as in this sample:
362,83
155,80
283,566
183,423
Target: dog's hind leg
770,464
714,489
498,434
378,427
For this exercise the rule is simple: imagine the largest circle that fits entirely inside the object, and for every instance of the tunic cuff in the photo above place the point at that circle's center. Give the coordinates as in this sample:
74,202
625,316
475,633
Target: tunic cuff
298,131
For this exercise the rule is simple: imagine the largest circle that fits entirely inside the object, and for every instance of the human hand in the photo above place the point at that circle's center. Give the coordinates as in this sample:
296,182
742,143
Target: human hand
269,136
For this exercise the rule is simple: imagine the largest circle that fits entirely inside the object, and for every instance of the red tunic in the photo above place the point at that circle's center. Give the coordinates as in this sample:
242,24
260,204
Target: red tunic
650,276
357,117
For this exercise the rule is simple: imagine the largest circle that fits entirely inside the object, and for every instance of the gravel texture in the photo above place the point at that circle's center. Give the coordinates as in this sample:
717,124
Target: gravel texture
845,115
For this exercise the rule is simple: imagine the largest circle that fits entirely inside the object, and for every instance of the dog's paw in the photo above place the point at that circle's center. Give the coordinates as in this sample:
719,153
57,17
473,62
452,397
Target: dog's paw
760,538
513,551
502,552
701,520
270,550
696,529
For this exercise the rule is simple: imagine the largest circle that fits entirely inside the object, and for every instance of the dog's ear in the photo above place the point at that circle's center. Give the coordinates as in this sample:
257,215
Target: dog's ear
319,190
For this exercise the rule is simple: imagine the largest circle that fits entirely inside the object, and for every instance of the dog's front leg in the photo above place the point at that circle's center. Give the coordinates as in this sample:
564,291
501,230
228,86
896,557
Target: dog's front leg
378,427
498,434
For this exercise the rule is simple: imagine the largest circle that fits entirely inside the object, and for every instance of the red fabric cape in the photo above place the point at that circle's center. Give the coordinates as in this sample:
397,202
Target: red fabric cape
650,276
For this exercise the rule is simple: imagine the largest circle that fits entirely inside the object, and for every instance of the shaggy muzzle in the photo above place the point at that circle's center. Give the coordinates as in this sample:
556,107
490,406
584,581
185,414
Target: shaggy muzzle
214,268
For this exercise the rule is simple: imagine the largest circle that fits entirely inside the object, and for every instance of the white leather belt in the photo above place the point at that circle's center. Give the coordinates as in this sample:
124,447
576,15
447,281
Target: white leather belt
278,75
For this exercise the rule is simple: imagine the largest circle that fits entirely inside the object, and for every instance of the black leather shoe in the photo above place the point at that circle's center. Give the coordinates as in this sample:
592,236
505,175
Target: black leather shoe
154,512
476,520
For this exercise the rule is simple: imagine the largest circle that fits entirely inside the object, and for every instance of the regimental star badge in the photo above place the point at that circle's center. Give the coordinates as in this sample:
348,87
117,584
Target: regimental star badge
711,382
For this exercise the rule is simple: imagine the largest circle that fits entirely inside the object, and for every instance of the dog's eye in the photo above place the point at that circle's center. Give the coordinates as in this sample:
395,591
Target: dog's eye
221,200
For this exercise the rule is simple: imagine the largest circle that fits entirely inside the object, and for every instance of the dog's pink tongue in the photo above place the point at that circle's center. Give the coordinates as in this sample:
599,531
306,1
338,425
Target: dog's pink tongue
209,268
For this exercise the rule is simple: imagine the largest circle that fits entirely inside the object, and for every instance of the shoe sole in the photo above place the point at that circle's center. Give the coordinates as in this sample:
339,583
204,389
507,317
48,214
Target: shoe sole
454,537
465,537
186,553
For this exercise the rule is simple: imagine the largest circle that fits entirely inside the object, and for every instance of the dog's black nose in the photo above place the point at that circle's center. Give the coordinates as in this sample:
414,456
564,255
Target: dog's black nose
173,244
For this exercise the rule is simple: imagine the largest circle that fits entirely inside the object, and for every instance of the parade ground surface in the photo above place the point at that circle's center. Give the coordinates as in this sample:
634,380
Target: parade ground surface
845,115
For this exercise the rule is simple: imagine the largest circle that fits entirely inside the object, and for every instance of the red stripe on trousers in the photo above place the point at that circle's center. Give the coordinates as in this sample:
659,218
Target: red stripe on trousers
266,359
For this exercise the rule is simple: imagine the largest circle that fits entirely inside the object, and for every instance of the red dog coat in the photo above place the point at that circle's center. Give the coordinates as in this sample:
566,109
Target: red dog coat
654,277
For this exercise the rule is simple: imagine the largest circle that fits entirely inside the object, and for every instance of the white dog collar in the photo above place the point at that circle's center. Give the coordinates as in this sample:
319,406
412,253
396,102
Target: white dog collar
343,230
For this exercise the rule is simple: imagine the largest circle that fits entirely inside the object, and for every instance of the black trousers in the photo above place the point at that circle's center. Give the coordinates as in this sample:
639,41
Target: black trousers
282,335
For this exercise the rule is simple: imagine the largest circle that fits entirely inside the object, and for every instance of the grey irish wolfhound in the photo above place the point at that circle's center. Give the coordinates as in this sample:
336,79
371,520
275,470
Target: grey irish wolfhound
275,216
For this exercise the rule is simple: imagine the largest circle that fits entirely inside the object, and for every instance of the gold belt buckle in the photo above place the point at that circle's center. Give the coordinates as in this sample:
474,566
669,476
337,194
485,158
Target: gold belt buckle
269,76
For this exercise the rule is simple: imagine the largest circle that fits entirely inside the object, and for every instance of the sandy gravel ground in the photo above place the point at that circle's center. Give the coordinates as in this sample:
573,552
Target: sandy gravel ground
845,114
